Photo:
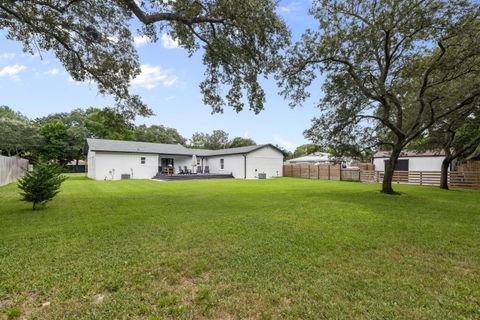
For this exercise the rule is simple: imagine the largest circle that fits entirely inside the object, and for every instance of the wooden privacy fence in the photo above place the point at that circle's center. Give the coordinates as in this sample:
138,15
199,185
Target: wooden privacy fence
308,171
465,179
321,172
11,169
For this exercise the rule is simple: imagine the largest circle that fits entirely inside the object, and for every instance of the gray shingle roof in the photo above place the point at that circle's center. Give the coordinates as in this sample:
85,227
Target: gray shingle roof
135,146
162,148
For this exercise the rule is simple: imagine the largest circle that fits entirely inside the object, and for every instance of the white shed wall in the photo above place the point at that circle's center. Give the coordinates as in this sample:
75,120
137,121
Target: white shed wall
414,163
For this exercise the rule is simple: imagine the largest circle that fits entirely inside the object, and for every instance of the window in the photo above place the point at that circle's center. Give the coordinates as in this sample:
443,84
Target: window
222,164
142,160
400,165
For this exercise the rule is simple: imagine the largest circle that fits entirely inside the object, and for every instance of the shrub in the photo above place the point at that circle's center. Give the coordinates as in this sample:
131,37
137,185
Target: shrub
41,184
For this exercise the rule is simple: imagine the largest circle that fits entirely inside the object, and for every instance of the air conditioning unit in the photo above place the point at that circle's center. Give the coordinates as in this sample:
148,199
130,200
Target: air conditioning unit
262,176
125,176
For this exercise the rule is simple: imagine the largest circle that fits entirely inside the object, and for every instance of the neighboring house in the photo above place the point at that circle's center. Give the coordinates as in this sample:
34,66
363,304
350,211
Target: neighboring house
313,158
318,158
411,160
110,159
73,166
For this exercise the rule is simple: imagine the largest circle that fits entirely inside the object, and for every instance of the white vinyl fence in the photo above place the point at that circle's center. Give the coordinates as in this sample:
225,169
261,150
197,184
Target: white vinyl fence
11,169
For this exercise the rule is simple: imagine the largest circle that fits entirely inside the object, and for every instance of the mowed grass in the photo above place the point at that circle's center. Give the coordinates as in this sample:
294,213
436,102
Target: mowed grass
235,249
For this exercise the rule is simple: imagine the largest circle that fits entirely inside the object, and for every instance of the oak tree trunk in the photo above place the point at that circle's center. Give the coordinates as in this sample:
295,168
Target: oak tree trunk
389,169
444,173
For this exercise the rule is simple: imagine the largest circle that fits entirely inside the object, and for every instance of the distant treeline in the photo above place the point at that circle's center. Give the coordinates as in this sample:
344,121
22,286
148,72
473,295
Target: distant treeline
61,137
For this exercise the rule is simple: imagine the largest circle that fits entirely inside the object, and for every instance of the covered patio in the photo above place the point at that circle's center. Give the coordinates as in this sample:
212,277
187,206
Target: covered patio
169,165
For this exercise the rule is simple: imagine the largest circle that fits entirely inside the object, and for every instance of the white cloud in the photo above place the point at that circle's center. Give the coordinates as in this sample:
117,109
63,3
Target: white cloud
284,142
168,42
12,70
53,71
140,40
152,76
7,55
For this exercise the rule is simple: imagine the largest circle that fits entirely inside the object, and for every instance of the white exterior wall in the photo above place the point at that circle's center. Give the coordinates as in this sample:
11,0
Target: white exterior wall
111,165
414,163
265,160
232,164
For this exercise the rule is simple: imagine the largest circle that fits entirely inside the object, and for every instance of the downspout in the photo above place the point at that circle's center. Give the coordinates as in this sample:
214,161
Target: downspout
244,166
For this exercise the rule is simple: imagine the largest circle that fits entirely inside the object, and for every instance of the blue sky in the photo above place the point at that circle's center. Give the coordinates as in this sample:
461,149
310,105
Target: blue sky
38,85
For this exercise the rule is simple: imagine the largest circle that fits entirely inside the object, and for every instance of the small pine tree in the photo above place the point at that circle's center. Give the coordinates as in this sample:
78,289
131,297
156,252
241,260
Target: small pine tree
41,184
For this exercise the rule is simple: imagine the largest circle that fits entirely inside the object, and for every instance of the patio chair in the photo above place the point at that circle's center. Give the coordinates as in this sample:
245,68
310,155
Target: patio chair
187,171
207,170
199,170
180,170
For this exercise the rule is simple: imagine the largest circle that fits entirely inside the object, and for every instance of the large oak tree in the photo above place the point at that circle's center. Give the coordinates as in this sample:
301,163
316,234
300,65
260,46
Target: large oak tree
93,40
384,63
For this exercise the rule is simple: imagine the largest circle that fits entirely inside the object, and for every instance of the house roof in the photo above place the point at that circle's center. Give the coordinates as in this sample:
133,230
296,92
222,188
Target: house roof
136,147
410,153
162,148
314,157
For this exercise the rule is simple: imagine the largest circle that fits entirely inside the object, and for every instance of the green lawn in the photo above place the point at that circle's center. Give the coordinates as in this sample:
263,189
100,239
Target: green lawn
231,249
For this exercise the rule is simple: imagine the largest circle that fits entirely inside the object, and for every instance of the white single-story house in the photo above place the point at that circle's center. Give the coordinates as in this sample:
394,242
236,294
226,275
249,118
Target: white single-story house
313,158
112,159
411,160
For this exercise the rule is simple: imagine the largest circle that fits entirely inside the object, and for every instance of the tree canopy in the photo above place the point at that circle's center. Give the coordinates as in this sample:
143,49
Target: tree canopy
240,41
158,134
19,135
384,64
241,142
218,139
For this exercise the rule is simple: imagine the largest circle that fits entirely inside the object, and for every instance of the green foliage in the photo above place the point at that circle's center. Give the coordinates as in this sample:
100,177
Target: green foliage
158,134
385,65
41,185
19,135
95,42
241,142
55,144
12,313
217,140
107,123
305,149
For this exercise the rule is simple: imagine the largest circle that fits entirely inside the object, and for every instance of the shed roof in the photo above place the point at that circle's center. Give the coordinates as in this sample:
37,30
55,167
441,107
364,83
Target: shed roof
314,157
162,148
411,153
